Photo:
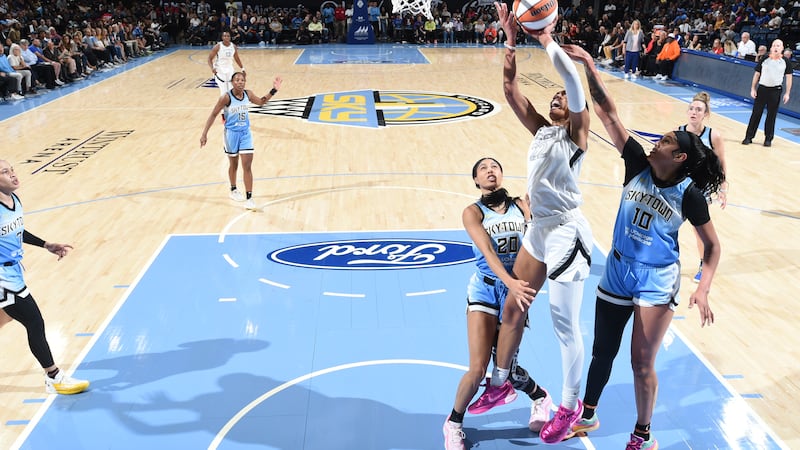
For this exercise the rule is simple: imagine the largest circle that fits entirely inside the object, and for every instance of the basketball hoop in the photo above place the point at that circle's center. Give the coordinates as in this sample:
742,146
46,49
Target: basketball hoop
413,6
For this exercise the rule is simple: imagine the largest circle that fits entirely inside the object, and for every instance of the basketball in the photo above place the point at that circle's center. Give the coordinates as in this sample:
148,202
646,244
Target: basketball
534,15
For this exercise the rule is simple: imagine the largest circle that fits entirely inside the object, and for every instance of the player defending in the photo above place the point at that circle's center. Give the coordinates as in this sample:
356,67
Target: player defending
238,139
221,59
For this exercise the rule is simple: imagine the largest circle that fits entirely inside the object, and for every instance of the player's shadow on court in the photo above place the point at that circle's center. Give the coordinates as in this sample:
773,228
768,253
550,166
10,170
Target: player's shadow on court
143,368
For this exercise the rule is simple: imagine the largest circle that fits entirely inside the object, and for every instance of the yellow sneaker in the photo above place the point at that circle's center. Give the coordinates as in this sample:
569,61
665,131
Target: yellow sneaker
64,384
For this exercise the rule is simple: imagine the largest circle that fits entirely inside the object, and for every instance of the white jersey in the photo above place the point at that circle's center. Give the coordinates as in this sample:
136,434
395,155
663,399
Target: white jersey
224,62
554,164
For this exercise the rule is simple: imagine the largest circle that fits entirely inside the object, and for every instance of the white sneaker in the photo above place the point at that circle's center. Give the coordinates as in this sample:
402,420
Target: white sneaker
633,76
64,384
453,435
236,196
59,82
540,412
627,75
16,96
250,204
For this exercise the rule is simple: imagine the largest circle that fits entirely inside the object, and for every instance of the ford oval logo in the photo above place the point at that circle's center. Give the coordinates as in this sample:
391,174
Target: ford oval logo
375,254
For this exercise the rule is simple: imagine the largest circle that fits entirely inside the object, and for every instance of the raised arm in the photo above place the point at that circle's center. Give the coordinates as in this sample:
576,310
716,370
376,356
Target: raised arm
604,105
276,85
520,104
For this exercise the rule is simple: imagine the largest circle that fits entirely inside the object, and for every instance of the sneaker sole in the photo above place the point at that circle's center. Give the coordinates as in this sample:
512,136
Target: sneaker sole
583,432
508,399
77,389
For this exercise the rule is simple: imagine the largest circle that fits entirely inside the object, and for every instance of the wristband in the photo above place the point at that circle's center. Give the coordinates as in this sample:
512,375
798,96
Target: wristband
273,91
511,47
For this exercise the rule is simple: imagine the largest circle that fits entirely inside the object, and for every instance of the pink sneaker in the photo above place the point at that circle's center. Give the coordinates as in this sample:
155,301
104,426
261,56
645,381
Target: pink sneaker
540,412
560,426
493,396
637,443
453,435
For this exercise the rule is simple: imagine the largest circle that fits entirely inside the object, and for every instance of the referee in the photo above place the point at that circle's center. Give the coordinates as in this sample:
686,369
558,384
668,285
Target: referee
766,90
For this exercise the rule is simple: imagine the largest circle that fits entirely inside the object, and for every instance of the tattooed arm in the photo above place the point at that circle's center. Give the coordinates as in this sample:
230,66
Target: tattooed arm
604,105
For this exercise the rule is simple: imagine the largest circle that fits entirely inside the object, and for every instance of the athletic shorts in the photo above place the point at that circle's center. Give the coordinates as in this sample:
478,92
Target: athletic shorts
12,285
627,282
486,294
564,243
237,142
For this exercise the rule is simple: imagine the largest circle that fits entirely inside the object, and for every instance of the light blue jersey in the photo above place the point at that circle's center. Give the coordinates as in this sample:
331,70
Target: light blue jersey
485,292
11,228
237,117
705,136
649,217
506,231
237,136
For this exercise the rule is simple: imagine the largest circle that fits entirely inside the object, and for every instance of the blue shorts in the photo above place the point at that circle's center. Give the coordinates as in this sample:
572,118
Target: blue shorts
486,294
12,285
236,142
627,282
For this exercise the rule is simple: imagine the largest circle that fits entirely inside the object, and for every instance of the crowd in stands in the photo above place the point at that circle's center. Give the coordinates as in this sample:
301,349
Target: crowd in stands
731,28
48,44
62,41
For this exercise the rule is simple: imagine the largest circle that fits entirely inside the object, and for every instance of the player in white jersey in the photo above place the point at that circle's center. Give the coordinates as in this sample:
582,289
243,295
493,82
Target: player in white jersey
558,246
16,302
221,59
238,139
496,224
661,190
699,110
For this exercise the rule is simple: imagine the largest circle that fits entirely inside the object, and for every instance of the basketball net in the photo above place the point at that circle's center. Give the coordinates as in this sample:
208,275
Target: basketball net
413,6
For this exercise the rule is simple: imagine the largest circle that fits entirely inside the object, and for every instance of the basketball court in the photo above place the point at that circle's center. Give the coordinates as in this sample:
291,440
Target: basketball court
333,317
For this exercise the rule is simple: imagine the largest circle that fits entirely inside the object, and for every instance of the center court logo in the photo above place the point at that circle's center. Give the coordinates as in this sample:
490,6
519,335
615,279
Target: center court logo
375,254
375,109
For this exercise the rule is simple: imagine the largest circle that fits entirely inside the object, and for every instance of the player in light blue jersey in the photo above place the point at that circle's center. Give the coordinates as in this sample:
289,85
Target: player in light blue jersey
238,139
16,302
496,224
699,110
661,190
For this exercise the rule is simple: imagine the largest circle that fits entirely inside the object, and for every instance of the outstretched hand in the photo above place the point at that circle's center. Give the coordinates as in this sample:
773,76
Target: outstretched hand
521,293
577,53
60,250
508,22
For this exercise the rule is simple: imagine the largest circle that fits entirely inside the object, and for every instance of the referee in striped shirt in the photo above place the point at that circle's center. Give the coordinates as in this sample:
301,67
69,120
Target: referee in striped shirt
766,90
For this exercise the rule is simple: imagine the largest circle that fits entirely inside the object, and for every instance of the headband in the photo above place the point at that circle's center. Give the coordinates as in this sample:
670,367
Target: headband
684,141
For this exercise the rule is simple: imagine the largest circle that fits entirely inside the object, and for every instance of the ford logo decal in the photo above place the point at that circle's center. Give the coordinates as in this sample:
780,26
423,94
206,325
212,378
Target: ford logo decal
375,254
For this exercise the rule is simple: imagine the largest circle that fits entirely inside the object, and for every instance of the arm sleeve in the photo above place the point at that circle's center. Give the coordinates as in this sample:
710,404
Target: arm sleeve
32,239
576,99
695,206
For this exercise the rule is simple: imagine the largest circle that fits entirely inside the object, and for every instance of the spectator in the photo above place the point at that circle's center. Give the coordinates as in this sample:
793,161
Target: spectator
766,91
651,52
10,79
761,53
42,72
490,35
746,48
18,64
716,48
634,44
315,30
666,57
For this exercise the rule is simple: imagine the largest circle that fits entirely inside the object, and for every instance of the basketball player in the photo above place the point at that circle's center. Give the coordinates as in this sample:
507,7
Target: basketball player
496,224
558,246
16,301
237,138
699,109
642,276
221,59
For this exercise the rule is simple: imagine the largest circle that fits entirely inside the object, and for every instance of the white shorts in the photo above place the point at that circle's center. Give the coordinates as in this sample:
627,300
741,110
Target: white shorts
563,243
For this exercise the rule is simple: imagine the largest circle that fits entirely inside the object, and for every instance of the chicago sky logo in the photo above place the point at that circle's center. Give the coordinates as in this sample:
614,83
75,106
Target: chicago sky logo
375,254
374,109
